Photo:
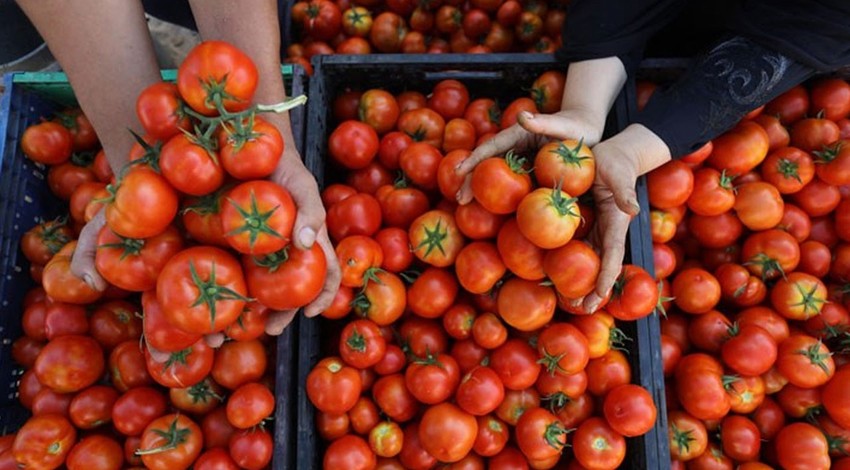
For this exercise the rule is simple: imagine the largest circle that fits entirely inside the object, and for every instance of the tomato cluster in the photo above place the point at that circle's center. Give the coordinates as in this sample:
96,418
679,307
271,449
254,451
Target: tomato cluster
451,346
100,397
432,26
750,240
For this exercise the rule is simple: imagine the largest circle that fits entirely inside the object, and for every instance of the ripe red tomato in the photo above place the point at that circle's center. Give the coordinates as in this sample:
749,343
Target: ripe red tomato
171,442
239,362
353,144
400,205
249,405
771,253
695,290
202,219
47,142
477,223
750,350
395,245
635,294
834,167
759,205
423,125
629,410
699,386
43,442
563,349
480,391
250,150
798,296
801,445
499,184
688,436
92,407
215,459
287,279
70,363
252,448
516,364
670,185
190,166
597,445
158,108
447,432
134,264
814,133
137,408
64,178
214,74
540,435
183,368
548,217
199,399
141,187
332,386
789,169
479,267
62,285
258,217
740,149
526,305
202,290
127,367
789,106
805,361
359,214
435,238
420,163
159,332
388,31
41,242
432,379
361,344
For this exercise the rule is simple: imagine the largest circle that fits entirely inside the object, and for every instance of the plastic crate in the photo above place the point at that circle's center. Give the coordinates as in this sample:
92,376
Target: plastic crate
506,76
26,200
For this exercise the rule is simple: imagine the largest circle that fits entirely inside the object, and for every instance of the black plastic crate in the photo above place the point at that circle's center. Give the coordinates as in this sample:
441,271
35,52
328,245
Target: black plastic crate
506,76
26,200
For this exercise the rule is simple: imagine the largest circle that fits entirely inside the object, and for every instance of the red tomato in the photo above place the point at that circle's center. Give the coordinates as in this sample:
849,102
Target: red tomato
540,435
479,267
250,150
480,391
359,214
499,184
635,294
750,350
777,133
190,166
47,142
798,296
401,205
688,436
548,217
695,291
740,149
216,74
814,133
597,445
249,405
361,344
834,162
526,305
395,246
447,432
830,96
802,446
476,222
70,363
65,178
789,106
435,238
607,372
251,449
759,205
170,442
239,362
43,442
353,144
158,108
423,125
699,386
92,407
388,31
258,217
141,187
332,386
432,379
516,364
805,361
62,285
629,410
287,279
134,264
41,242
391,147
789,169
449,98
183,368
137,408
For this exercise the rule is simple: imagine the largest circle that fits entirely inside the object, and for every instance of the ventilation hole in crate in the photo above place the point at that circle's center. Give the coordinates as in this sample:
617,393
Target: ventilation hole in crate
18,269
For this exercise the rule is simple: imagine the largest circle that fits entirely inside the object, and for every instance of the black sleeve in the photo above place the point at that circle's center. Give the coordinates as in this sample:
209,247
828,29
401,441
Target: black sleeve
604,28
733,78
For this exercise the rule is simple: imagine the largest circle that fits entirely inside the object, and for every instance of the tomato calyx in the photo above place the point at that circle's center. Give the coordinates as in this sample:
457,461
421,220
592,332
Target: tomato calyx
82,159
564,205
210,293
354,16
553,433
254,221
836,443
177,357
816,357
809,301
361,303
128,246
356,342
273,261
173,438
202,392
726,181
550,362
829,153
617,339
662,299
517,163
52,236
770,268
410,276
207,204
493,112
682,439
150,156
538,95
401,181
556,401
434,238
429,360
240,133
68,120
788,169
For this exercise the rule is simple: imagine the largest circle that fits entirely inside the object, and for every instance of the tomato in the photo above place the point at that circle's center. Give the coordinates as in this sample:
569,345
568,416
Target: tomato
695,290
459,135
526,305
750,350
475,23
394,399
191,166
25,351
141,187
391,146
516,364
717,231
777,133
688,436
47,142
814,133
805,361
332,427
789,169
759,205
332,386
62,285
413,454
738,286
509,458
357,255
480,391
670,185
239,362
65,178
831,97
699,385
359,214
798,296
597,445
198,399
183,368
563,349
46,401
158,108
607,372
432,379
361,344
469,354
251,449
629,410
435,238
70,363
540,435
834,163
127,367
789,106
800,446
215,459
96,453
401,205
520,255
740,149
43,442
771,253
170,442
215,74
476,222
92,407
447,432
41,242
484,115
635,294
479,267
249,405
353,144
249,150
395,247
500,184
356,21
62,319
769,418
388,31
386,439
765,318
382,300
137,408
818,198
258,217
202,219
134,264
289,278
712,192
548,217
115,322
250,325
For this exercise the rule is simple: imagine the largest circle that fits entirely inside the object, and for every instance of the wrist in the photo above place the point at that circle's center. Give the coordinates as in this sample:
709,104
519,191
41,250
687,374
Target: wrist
640,145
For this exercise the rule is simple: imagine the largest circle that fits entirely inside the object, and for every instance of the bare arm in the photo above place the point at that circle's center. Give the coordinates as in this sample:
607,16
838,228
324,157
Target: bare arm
105,48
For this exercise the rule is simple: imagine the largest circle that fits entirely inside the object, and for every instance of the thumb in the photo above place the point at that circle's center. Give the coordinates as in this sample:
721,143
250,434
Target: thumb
276,322
311,212
550,125
621,182
82,262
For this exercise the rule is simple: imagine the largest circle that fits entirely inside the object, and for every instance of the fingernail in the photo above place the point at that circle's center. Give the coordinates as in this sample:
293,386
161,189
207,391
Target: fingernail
89,281
307,236
575,303
526,115
635,207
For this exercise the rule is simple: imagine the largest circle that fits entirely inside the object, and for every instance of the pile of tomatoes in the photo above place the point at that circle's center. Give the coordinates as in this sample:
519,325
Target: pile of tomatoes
433,26
451,344
751,251
100,397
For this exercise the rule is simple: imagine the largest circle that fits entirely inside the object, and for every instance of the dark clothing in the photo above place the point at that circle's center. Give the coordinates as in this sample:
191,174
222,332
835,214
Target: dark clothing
762,49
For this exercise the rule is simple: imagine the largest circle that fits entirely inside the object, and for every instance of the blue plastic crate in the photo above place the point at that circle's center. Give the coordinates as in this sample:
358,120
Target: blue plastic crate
26,200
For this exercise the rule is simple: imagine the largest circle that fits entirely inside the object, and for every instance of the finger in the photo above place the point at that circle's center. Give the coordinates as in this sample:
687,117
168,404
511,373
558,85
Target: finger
214,340
464,194
82,262
613,252
499,144
311,212
621,183
278,321
157,355
549,125
332,279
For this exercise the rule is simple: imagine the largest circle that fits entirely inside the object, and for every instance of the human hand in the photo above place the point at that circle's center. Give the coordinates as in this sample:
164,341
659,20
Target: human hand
309,228
531,132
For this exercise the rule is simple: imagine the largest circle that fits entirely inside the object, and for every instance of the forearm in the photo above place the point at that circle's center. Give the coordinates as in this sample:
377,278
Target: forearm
591,88
105,48
253,27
